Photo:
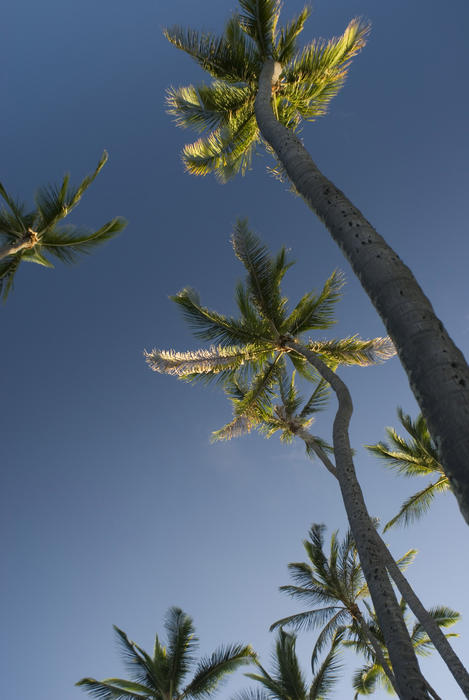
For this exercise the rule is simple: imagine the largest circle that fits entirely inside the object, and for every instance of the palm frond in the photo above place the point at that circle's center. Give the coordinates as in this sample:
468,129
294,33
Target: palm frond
263,277
366,679
354,351
212,670
12,222
136,661
8,268
334,625
207,107
55,202
286,43
182,643
240,425
212,360
316,311
308,619
116,689
259,20
328,673
287,672
66,243
417,505
318,399
210,325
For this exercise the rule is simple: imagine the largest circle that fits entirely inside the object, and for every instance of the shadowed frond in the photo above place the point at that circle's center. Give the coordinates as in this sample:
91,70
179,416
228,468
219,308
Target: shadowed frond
182,642
316,312
115,689
8,268
328,673
259,20
318,399
68,242
213,669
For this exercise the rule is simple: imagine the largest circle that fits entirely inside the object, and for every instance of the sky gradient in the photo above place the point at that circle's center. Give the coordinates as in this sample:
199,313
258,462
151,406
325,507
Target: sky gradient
114,504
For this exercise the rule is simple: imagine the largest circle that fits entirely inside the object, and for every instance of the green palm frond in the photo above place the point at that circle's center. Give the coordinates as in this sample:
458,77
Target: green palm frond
221,58
354,351
212,670
316,311
286,43
259,19
309,619
182,643
328,673
12,222
8,269
367,679
210,325
318,399
207,107
263,277
287,672
137,662
66,243
116,689
55,202
418,504
226,151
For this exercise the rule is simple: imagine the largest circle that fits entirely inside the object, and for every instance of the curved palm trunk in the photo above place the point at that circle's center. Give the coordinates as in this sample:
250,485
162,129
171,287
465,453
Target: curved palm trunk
436,369
436,636
410,684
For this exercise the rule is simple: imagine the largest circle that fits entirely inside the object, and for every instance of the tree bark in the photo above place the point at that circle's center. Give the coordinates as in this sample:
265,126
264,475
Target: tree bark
410,684
437,371
436,636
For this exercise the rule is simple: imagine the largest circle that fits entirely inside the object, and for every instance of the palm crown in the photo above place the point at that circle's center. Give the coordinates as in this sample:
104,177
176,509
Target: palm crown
287,680
31,235
415,456
162,676
251,349
224,110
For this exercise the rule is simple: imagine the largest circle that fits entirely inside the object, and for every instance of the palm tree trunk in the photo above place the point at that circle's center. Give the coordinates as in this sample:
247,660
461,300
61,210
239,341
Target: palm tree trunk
378,652
12,249
410,684
436,369
436,636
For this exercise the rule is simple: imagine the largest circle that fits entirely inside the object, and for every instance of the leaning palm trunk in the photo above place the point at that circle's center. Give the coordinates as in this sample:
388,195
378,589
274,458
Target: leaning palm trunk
436,636
437,371
409,682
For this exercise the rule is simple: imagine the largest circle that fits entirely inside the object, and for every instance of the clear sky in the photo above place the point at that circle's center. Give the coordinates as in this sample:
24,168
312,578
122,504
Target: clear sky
115,505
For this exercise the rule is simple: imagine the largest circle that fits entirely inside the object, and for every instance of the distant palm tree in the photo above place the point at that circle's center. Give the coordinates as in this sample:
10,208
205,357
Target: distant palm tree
370,676
287,681
265,334
263,87
287,418
162,676
31,235
416,456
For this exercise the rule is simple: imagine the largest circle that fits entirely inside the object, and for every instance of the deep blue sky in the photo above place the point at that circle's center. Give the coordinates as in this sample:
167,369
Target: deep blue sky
114,503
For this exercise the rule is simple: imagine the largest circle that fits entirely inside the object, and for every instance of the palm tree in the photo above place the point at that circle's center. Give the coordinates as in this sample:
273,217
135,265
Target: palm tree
265,334
370,676
162,675
263,87
293,422
31,235
287,680
416,456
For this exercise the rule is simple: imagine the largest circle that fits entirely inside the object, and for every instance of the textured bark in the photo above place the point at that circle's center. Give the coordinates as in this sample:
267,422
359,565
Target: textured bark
434,632
377,650
410,684
437,371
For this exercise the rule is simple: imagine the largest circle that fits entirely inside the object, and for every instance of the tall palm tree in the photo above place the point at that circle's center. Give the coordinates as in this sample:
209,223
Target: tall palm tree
287,680
263,87
287,418
370,676
163,675
268,333
414,456
32,235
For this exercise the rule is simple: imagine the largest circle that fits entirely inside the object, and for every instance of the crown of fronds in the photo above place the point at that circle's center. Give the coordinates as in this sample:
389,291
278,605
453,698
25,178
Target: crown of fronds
224,110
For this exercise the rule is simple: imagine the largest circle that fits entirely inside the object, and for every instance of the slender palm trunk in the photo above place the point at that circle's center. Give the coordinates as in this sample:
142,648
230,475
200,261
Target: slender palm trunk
378,652
410,684
436,636
436,369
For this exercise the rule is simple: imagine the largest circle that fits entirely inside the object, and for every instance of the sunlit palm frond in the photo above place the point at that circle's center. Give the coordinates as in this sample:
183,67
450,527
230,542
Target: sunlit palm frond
226,151
259,20
206,107
316,311
66,243
367,679
263,277
212,670
418,504
286,43
217,55
210,360
354,351
55,202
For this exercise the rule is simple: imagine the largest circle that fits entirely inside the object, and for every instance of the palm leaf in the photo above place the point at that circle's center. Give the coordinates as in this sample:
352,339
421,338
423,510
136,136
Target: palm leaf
308,619
8,268
417,505
116,689
212,670
10,223
206,107
138,664
210,361
259,20
318,399
287,41
354,351
181,644
316,312
67,243
328,673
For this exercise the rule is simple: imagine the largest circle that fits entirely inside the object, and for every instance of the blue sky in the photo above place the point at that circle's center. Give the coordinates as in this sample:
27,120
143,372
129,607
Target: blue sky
115,505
